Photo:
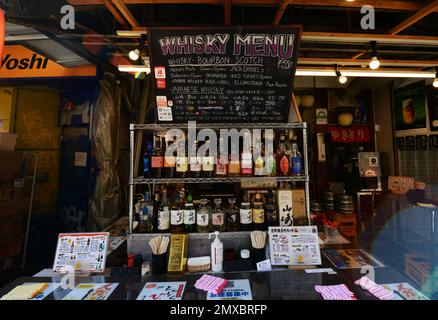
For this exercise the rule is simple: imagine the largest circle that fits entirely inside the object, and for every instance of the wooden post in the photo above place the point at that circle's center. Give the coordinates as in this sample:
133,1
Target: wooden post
296,109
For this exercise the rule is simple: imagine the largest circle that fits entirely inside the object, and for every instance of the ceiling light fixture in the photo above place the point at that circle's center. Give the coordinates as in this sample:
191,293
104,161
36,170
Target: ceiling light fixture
374,63
341,78
134,69
134,55
132,33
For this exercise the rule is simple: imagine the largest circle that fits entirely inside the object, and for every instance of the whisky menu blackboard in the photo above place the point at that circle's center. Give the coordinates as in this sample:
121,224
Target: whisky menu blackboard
230,74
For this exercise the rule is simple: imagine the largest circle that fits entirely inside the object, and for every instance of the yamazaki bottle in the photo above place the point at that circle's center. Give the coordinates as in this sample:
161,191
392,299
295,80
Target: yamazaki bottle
258,213
245,213
157,159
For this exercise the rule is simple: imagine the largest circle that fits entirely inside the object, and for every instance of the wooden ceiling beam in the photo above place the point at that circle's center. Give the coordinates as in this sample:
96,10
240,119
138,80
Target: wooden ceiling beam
377,4
109,5
420,14
126,13
227,12
280,11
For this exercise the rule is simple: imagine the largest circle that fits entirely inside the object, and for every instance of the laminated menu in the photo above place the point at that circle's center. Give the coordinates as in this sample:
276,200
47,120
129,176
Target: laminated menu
294,246
162,291
91,291
25,291
84,252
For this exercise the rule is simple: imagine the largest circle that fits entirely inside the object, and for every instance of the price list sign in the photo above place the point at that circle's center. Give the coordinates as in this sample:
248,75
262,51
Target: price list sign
230,74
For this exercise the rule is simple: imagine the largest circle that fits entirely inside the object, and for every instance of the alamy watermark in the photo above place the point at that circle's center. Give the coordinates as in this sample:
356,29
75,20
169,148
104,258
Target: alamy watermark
68,19
218,145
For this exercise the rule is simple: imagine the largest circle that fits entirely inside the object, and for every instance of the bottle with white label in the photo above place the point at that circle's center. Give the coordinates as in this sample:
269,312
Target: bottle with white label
163,216
182,161
245,214
203,217
189,214
195,163
177,216
217,253
218,216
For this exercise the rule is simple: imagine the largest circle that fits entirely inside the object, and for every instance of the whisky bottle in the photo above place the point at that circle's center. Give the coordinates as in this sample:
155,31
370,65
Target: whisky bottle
189,214
258,213
157,159
203,217
218,216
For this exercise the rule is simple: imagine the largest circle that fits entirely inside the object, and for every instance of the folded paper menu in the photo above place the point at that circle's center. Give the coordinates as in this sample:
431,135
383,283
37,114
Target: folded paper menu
25,291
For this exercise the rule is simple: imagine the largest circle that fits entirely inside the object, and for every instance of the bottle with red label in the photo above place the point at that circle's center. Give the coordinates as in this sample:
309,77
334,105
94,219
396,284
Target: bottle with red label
283,160
157,159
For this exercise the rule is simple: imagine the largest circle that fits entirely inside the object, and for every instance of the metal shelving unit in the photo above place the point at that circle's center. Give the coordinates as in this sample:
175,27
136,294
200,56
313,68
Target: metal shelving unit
217,180
215,126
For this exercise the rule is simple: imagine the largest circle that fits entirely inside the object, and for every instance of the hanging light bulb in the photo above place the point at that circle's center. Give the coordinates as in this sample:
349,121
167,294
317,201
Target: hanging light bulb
134,55
342,79
374,63
435,82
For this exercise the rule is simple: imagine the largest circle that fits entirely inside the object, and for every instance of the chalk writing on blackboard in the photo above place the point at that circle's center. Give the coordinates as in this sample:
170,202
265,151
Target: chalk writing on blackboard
230,74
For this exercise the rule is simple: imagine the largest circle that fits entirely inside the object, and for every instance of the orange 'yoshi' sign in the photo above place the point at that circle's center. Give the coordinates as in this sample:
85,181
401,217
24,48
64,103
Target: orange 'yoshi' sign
19,62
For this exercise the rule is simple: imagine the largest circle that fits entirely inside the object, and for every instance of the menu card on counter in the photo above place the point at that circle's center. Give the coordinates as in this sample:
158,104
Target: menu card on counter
223,74
91,291
294,246
85,252
162,291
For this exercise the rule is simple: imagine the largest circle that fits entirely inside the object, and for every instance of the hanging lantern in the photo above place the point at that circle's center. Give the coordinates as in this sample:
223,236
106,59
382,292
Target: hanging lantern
308,101
345,119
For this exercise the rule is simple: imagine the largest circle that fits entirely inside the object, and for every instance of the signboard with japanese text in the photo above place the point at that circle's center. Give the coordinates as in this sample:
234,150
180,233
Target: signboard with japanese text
84,252
294,246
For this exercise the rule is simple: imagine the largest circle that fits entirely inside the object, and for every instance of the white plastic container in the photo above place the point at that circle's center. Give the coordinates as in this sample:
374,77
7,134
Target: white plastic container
217,253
